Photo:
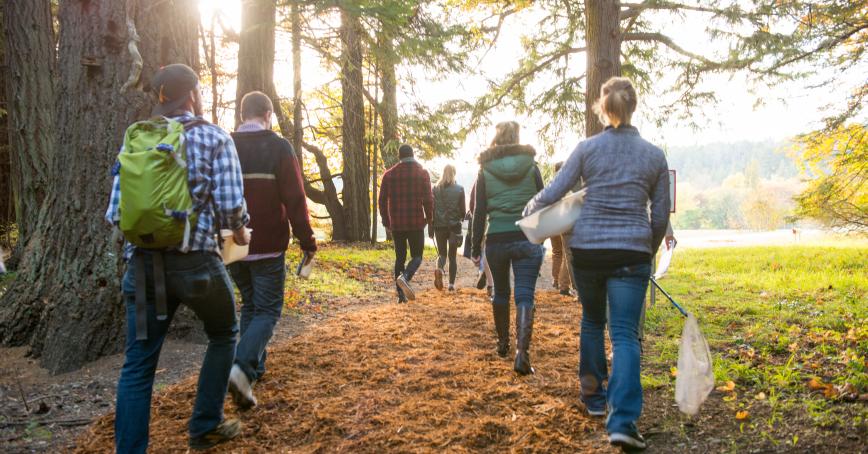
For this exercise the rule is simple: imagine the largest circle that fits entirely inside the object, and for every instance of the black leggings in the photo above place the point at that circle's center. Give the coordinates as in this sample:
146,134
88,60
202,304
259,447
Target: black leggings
446,241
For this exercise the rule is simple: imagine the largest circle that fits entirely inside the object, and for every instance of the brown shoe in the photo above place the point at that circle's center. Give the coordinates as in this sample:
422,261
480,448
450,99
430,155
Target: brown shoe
225,431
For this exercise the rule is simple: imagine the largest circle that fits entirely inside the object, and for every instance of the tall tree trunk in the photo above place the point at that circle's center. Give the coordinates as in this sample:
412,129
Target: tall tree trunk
389,105
30,62
65,301
7,204
255,51
356,175
603,38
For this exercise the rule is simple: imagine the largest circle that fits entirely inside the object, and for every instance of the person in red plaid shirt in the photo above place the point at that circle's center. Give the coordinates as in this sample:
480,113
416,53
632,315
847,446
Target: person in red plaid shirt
406,207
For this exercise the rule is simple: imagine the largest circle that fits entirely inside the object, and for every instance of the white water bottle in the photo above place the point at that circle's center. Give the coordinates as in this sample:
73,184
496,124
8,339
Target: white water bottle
305,266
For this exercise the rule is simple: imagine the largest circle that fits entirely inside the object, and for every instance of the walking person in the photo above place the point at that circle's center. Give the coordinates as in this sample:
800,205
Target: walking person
177,179
561,274
274,191
483,274
449,209
406,207
612,245
508,179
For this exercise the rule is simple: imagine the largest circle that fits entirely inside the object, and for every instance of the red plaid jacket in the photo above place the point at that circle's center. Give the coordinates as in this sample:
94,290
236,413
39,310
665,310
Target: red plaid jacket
406,202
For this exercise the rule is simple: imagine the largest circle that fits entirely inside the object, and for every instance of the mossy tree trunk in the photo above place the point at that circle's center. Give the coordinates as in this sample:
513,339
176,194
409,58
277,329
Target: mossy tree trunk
65,301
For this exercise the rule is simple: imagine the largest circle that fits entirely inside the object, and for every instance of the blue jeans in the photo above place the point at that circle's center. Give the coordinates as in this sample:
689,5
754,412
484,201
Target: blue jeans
416,240
625,289
526,259
261,283
199,280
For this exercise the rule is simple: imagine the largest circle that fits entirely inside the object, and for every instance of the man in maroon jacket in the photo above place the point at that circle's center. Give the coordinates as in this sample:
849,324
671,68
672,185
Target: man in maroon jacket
274,190
406,207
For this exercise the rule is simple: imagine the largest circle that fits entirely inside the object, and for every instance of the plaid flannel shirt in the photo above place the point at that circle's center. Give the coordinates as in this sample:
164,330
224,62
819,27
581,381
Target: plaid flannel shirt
215,181
406,202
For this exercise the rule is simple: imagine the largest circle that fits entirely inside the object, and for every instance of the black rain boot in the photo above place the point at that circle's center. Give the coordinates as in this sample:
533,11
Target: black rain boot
523,331
501,326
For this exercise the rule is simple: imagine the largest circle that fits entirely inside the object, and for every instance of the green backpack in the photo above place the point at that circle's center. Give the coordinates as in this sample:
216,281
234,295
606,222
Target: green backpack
156,209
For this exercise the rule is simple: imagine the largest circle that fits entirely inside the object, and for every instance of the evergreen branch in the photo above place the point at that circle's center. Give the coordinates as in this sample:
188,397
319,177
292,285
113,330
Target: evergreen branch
635,9
826,44
520,77
668,42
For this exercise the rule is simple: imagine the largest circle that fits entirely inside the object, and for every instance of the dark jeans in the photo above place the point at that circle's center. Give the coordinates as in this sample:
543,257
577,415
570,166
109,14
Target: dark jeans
261,285
526,259
200,281
447,244
416,240
625,289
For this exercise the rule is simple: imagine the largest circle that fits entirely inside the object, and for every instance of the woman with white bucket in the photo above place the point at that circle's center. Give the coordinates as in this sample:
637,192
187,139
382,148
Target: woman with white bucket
613,241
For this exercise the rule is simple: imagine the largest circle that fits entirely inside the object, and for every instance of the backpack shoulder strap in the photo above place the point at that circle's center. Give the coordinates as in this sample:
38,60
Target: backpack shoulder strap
194,123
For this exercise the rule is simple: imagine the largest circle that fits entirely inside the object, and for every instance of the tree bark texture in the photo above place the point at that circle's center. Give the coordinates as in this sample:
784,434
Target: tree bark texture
603,38
389,105
255,51
30,62
356,176
7,204
65,302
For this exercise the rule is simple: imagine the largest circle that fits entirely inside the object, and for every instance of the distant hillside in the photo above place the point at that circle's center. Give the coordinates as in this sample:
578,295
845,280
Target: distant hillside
710,164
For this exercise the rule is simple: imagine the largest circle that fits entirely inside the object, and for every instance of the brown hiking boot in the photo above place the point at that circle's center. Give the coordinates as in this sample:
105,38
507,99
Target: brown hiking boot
225,431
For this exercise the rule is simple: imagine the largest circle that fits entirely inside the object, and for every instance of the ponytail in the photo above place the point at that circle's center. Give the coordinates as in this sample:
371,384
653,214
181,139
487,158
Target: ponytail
617,102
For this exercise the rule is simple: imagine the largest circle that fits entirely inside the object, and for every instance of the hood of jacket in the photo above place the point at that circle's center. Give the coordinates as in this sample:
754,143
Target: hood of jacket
509,163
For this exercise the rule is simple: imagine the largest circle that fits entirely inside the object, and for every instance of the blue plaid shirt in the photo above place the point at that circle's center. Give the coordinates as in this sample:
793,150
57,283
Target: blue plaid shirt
216,185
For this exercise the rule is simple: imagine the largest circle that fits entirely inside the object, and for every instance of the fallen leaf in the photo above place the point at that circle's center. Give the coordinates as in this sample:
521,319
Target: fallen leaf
673,371
760,396
830,392
793,347
729,386
742,415
817,384
863,397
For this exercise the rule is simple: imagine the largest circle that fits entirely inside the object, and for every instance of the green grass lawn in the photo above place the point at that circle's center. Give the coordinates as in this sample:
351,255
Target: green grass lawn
787,325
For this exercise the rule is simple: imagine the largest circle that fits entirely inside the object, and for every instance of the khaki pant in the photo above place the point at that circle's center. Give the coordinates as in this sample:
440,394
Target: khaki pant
561,258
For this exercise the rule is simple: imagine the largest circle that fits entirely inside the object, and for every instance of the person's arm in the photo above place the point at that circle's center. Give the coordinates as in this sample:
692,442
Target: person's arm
538,179
563,182
383,201
480,214
660,205
291,187
427,201
231,209
462,203
472,200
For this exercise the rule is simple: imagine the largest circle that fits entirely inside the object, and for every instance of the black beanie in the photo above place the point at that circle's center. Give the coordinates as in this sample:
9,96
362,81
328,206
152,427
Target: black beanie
405,151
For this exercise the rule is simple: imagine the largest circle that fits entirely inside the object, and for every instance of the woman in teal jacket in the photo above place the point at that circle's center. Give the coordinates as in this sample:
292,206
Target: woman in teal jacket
508,179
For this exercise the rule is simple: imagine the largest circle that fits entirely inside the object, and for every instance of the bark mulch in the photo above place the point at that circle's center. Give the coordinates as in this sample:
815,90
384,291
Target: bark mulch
402,378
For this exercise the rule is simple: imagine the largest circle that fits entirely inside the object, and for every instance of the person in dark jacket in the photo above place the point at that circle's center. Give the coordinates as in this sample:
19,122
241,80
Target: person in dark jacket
406,207
612,244
274,191
508,179
449,209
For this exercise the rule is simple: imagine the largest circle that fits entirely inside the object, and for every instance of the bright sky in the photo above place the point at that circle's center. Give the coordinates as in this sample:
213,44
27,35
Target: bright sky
787,108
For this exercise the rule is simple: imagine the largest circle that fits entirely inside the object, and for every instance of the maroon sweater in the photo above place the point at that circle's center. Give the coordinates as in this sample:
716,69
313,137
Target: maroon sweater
274,191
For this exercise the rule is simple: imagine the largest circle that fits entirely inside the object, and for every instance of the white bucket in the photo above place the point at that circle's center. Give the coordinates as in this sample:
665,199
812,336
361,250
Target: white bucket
232,252
554,219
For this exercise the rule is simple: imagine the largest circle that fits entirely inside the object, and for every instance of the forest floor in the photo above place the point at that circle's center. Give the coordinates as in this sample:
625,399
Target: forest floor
352,371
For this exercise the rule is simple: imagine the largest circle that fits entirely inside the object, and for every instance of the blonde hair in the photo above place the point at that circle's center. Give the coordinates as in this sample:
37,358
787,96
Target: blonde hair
617,102
506,133
448,177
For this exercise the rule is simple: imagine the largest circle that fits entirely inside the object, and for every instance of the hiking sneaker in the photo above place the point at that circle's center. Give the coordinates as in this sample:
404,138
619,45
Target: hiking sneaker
566,292
596,412
225,431
405,287
480,280
241,388
438,279
451,288
628,441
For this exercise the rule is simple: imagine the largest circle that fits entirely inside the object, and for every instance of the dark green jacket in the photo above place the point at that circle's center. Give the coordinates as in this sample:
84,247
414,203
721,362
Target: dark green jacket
448,206
508,179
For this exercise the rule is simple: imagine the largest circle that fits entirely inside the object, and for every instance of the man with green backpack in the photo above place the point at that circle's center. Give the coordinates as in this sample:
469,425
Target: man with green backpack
176,183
